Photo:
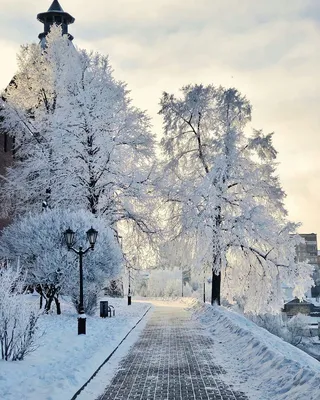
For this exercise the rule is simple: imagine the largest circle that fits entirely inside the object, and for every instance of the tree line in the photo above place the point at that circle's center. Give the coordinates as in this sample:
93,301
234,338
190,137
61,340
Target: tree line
85,155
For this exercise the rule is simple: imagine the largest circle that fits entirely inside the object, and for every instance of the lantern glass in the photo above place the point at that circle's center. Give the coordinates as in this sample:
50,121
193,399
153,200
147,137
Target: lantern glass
69,237
92,236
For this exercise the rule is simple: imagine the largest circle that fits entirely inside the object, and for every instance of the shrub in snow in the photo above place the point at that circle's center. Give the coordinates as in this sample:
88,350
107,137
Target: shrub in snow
48,265
291,330
90,297
140,286
114,288
18,318
296,329
272,323
173,288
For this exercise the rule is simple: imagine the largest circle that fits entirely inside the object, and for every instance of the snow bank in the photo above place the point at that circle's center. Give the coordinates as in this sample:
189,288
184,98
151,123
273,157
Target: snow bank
65,361
276,369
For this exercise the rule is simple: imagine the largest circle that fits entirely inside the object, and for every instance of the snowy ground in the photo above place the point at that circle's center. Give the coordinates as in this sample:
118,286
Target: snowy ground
65,361
311,346
258,363
171,359
264,363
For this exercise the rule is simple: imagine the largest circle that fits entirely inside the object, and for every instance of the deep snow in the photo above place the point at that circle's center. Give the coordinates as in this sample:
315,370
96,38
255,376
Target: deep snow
65,361
264,364
257,362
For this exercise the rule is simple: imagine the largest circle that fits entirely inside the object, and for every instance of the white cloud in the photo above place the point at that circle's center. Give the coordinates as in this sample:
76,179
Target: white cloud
269,50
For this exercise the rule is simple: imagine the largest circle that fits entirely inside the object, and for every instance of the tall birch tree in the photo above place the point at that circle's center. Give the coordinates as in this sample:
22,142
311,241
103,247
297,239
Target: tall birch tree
224,191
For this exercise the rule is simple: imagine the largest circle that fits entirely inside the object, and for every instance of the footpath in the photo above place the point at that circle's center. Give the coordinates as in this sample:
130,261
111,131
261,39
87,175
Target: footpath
173,359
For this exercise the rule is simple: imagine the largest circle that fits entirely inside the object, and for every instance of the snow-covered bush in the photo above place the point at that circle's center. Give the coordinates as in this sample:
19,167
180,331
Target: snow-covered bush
18,318
90,297
173,288
114,288
292,330
296,330
38,240
274,323
140,286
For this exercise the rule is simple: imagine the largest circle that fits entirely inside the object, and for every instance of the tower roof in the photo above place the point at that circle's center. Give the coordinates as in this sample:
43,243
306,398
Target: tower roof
55,9
55,15
55,6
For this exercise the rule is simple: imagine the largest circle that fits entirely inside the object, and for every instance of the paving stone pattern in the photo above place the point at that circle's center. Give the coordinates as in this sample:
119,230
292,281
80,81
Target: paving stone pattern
172,360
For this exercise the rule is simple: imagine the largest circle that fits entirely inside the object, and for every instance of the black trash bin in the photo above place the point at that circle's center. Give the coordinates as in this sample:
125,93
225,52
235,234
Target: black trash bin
104,309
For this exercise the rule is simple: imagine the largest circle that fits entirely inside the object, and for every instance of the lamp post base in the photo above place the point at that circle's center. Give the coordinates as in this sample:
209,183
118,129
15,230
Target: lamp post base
82,325
129,300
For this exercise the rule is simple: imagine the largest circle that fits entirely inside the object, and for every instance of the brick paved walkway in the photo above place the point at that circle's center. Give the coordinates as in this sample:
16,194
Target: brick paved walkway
171,360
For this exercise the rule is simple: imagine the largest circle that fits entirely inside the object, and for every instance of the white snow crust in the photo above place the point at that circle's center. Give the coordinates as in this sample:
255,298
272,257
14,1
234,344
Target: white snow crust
65,361
262,363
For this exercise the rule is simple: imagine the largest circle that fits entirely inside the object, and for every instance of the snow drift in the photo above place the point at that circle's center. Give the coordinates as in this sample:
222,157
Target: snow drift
276,369
65,360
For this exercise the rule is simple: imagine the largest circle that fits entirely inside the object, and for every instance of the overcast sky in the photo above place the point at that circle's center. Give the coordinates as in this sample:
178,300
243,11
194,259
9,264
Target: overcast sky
268,49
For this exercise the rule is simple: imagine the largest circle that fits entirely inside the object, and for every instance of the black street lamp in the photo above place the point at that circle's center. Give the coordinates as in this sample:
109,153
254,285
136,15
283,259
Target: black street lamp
204,285
129,278
69,238
129,287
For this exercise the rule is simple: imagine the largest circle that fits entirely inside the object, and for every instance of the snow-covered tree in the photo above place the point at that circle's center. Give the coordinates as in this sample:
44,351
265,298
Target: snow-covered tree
38,241
224,192
79,141
18,317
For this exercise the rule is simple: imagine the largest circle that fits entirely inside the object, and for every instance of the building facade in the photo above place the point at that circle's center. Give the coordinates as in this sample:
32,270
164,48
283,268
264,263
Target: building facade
308,251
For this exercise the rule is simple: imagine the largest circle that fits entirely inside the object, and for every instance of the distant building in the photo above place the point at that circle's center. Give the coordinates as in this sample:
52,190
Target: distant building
297,306
315,291
308,251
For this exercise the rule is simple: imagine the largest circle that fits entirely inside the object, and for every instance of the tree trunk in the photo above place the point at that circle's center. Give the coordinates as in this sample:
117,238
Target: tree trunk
48,304
58,305
216,288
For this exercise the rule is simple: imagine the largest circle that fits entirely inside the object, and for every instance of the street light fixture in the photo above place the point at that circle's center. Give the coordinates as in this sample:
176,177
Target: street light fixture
69,238
92,236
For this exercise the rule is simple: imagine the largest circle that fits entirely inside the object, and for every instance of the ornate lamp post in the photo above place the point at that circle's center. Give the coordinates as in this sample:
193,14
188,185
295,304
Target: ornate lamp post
69,238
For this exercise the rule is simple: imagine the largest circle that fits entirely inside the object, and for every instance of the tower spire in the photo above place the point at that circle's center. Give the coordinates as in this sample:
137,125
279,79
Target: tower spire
55,15
55,6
